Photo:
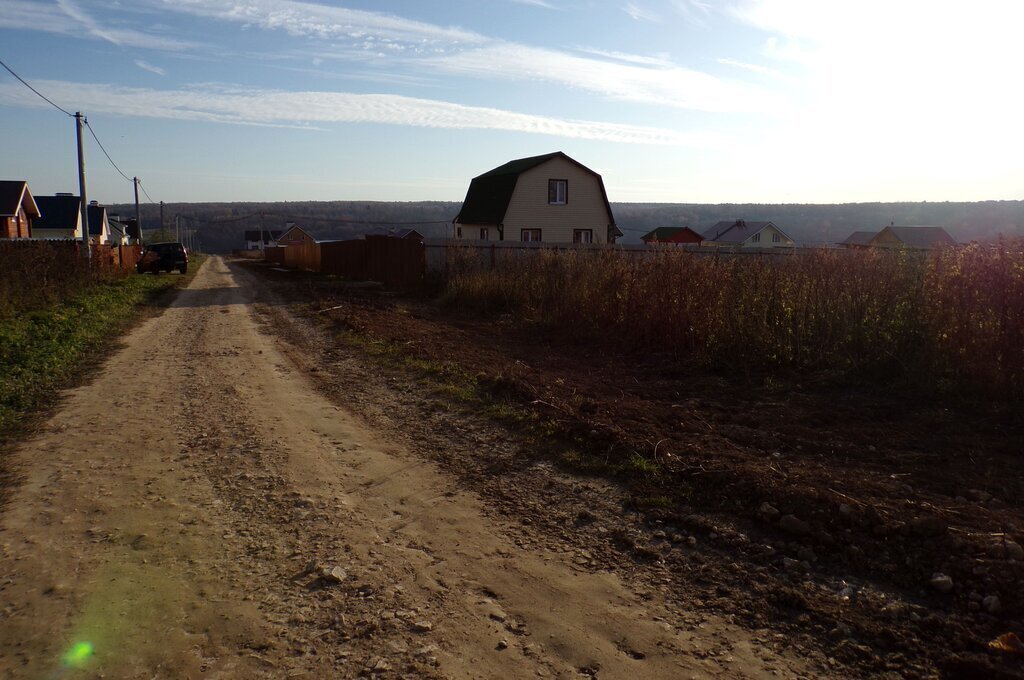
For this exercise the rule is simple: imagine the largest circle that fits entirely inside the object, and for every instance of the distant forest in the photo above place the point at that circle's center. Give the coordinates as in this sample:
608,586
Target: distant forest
221,226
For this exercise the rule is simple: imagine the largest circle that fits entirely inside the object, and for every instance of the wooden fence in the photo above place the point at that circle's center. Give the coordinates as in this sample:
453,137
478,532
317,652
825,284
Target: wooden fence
392,261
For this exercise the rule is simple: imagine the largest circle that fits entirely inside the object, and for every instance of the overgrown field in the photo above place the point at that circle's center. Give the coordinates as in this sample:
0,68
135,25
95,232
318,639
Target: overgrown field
58,314
953,319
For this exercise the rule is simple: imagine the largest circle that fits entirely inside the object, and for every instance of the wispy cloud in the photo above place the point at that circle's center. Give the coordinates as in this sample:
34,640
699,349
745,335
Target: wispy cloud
536,3
663,84
273,107
146,66
638,13
694,11
66,18
387,39
323,21
75,12
756,68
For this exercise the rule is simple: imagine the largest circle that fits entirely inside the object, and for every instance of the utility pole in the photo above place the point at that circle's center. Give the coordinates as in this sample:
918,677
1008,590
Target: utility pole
79,120
162,236
138,214
177,228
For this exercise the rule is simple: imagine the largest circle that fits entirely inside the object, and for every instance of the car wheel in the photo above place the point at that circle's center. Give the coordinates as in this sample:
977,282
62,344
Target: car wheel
183,268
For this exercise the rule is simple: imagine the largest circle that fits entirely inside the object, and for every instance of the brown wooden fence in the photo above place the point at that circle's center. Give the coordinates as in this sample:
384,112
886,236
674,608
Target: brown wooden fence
392,261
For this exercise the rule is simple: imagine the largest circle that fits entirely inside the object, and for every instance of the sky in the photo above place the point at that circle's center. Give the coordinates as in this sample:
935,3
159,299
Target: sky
692,101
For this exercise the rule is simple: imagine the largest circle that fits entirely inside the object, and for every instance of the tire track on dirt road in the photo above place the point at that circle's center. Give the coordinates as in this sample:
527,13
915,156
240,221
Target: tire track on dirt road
200,510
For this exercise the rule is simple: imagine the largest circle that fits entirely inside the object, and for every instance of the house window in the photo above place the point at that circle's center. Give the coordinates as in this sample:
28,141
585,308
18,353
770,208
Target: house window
458,232
582,235
756,238
776,238
531,234
484,235
558,191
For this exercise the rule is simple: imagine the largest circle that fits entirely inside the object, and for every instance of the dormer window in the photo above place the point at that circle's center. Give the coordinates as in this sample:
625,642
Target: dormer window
558,191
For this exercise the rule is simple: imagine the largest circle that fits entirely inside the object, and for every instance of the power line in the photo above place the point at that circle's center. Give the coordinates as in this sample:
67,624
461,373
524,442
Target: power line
93,133
44,97
147,193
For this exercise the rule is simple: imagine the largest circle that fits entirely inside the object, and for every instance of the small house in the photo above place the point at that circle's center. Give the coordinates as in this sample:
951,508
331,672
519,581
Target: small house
551,198
258,239
18,209
295,235
743,234
912,238
60,217
99,228
677,235
118,230
859,239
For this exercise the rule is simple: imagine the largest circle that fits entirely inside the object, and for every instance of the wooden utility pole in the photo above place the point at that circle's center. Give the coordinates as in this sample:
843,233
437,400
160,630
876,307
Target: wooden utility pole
138,214
79,121
162,235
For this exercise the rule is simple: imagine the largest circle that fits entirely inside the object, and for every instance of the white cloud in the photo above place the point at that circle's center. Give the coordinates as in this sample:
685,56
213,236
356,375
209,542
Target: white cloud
536,3
322,21
756,68
146,66
372,36
68,19
694,11
75,12
273,107
638,13
666,85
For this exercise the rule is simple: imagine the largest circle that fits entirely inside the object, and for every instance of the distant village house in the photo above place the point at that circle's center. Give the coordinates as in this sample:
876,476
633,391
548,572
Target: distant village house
743,234
898,237
18,209
60,217
256,239
550,198
677,235
295,235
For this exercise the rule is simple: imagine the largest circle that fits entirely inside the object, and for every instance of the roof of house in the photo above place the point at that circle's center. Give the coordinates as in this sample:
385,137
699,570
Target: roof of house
666,233
920,237
58,212
12,194
737,231
859,238
268,235
97,218
292,228
489,194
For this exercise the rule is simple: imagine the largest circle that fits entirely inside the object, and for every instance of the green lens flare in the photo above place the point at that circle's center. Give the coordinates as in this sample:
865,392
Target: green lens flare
78,654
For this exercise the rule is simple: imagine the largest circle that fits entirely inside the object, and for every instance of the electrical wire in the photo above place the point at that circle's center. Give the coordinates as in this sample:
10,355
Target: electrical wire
93,133
44,97
147,193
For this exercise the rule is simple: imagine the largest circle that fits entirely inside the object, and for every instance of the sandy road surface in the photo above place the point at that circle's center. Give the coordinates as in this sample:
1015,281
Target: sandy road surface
179,512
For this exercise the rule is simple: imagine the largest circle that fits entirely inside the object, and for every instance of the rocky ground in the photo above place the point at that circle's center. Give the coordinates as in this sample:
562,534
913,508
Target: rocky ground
870,532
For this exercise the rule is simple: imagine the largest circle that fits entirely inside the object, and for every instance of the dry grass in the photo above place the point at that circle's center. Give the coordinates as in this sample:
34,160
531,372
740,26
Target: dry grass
36,274
957,314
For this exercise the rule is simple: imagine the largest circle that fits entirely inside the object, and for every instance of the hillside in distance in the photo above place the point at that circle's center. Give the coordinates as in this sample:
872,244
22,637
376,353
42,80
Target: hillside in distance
221,226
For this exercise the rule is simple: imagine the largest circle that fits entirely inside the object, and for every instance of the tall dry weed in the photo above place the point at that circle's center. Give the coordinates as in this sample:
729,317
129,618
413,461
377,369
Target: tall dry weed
957,313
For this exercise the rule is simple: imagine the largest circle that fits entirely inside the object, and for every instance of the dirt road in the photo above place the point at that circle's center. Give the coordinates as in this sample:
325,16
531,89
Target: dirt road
200,509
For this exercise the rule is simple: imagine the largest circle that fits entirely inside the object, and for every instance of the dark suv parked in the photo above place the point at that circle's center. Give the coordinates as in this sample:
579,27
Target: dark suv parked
165,256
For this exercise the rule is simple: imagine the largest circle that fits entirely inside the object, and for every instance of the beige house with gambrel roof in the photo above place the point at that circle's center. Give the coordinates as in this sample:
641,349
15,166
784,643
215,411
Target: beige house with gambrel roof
550,198
746,234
